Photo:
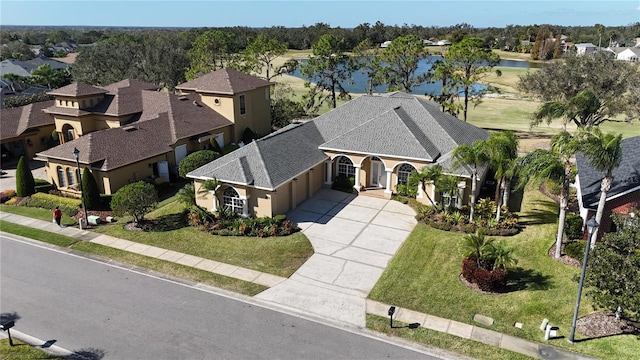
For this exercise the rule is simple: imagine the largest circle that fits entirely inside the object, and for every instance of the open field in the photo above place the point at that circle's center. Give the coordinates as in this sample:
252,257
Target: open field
424,276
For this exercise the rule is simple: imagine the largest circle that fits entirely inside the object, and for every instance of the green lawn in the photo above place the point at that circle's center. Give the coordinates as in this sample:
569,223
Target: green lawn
22,351
160,266
280,255
36,213
424,276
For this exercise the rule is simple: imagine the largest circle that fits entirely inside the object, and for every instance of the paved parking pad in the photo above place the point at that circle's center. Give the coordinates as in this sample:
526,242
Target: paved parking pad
354,238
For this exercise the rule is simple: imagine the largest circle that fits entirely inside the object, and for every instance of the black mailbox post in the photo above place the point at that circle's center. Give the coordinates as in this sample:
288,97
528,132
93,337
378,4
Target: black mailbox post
5,327
392,310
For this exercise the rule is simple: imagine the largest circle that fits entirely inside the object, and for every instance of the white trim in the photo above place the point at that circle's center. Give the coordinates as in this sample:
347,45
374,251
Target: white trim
378,155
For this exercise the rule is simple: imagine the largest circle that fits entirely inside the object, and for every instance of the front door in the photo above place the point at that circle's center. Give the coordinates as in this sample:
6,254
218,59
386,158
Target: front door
378,176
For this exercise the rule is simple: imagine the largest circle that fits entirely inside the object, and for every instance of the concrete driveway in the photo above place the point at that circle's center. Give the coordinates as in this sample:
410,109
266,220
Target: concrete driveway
354,238
8,175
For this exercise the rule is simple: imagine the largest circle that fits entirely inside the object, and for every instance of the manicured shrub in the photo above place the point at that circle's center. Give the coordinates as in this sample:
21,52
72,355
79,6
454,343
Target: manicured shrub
573,227
90,191
43,186
7,195
575,249
406,190
248,136
134,199
229,148
232,225
487,280
214,146
343,183
25,184
68,206
196,160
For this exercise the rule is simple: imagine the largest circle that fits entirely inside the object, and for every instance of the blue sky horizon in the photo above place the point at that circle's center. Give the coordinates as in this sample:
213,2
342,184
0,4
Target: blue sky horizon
298,13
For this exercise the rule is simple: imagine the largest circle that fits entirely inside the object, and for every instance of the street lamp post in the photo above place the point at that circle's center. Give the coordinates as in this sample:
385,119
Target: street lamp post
592,225
76,155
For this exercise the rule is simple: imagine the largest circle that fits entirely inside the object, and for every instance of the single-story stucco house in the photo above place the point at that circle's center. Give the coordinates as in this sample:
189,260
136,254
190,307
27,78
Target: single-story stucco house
130,131
377,140
625,189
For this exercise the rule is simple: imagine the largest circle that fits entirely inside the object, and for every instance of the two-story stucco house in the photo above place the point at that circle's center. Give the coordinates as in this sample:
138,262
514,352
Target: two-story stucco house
130,131
377,140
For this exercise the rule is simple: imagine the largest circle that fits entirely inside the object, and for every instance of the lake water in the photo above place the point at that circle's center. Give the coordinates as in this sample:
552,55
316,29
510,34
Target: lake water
359,80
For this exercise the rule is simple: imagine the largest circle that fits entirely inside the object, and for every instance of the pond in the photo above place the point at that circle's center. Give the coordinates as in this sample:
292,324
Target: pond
359,82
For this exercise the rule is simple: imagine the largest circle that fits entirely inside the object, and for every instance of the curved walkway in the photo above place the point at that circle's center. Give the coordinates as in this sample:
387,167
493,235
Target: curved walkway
354,238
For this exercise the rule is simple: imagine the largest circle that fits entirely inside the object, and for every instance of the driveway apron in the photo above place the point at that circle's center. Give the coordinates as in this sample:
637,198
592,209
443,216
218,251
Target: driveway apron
354,238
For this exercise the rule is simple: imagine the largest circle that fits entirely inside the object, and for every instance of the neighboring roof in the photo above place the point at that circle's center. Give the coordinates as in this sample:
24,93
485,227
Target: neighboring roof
77,89
634,50
626,177
16,121
164,119
393,125
24,68
585,45
226,81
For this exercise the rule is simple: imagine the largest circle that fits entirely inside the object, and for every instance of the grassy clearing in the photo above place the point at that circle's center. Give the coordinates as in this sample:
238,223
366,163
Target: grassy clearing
22,351
161,266
441,340
423,276
281,255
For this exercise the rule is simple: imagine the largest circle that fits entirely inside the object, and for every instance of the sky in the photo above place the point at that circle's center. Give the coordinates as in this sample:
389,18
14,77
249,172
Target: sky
296,13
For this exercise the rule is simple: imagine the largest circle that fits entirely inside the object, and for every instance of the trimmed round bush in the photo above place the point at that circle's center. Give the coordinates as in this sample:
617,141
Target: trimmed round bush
196,160
575,249
573,227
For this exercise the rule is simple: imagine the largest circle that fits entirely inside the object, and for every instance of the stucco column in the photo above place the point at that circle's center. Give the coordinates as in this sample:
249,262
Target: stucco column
245,205
329,167
387,190
356,184
420,193
215,200
461,198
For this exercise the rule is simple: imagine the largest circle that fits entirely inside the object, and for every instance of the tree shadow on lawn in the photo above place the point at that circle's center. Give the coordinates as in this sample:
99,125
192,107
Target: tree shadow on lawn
165,223
526,279
543,212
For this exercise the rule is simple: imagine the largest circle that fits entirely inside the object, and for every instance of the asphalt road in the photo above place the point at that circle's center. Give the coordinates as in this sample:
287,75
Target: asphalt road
104,310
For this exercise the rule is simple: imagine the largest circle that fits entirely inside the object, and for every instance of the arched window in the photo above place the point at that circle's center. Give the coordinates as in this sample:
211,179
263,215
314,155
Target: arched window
345,167
71,176
62,179
231,199
403,173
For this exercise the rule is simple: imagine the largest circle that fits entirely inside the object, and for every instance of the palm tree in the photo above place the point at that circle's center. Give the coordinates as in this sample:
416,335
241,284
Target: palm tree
503,256
448,184
554,164
427,174
501,149
613,35
604,152
584,109
475,246
600,29
474,156
187,195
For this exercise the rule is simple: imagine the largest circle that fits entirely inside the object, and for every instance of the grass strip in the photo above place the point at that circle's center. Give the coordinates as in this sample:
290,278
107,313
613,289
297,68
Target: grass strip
22,351
466,347
161,266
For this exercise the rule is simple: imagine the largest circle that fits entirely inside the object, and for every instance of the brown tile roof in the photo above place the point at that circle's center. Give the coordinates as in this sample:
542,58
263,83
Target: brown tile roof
53,109
226,81
77,89
131,84
15,121
165,119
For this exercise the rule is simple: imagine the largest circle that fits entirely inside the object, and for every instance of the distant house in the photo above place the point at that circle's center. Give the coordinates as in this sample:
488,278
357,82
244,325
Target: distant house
625,189
443,42
375,141
24,68
385,44
428,42
629,54
129,131
585,48
26,130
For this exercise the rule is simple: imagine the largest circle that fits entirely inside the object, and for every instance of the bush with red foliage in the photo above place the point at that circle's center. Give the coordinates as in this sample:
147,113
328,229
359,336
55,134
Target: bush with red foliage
487,280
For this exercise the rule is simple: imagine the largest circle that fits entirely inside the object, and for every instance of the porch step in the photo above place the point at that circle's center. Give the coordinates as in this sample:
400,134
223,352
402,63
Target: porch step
376,193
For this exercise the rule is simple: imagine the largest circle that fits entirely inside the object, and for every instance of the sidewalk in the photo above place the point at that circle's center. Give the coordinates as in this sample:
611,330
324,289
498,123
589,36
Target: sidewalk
215,267
463,330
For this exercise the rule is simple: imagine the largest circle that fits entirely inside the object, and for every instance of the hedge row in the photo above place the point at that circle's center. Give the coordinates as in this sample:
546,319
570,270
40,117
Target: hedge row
68,206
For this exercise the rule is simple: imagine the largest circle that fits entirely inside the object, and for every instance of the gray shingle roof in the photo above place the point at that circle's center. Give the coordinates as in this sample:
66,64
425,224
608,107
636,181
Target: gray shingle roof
625,177
397,124
224,81
24,68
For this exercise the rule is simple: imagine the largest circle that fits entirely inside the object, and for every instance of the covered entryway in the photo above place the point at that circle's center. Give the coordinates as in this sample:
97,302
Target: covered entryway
354,238
378,176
